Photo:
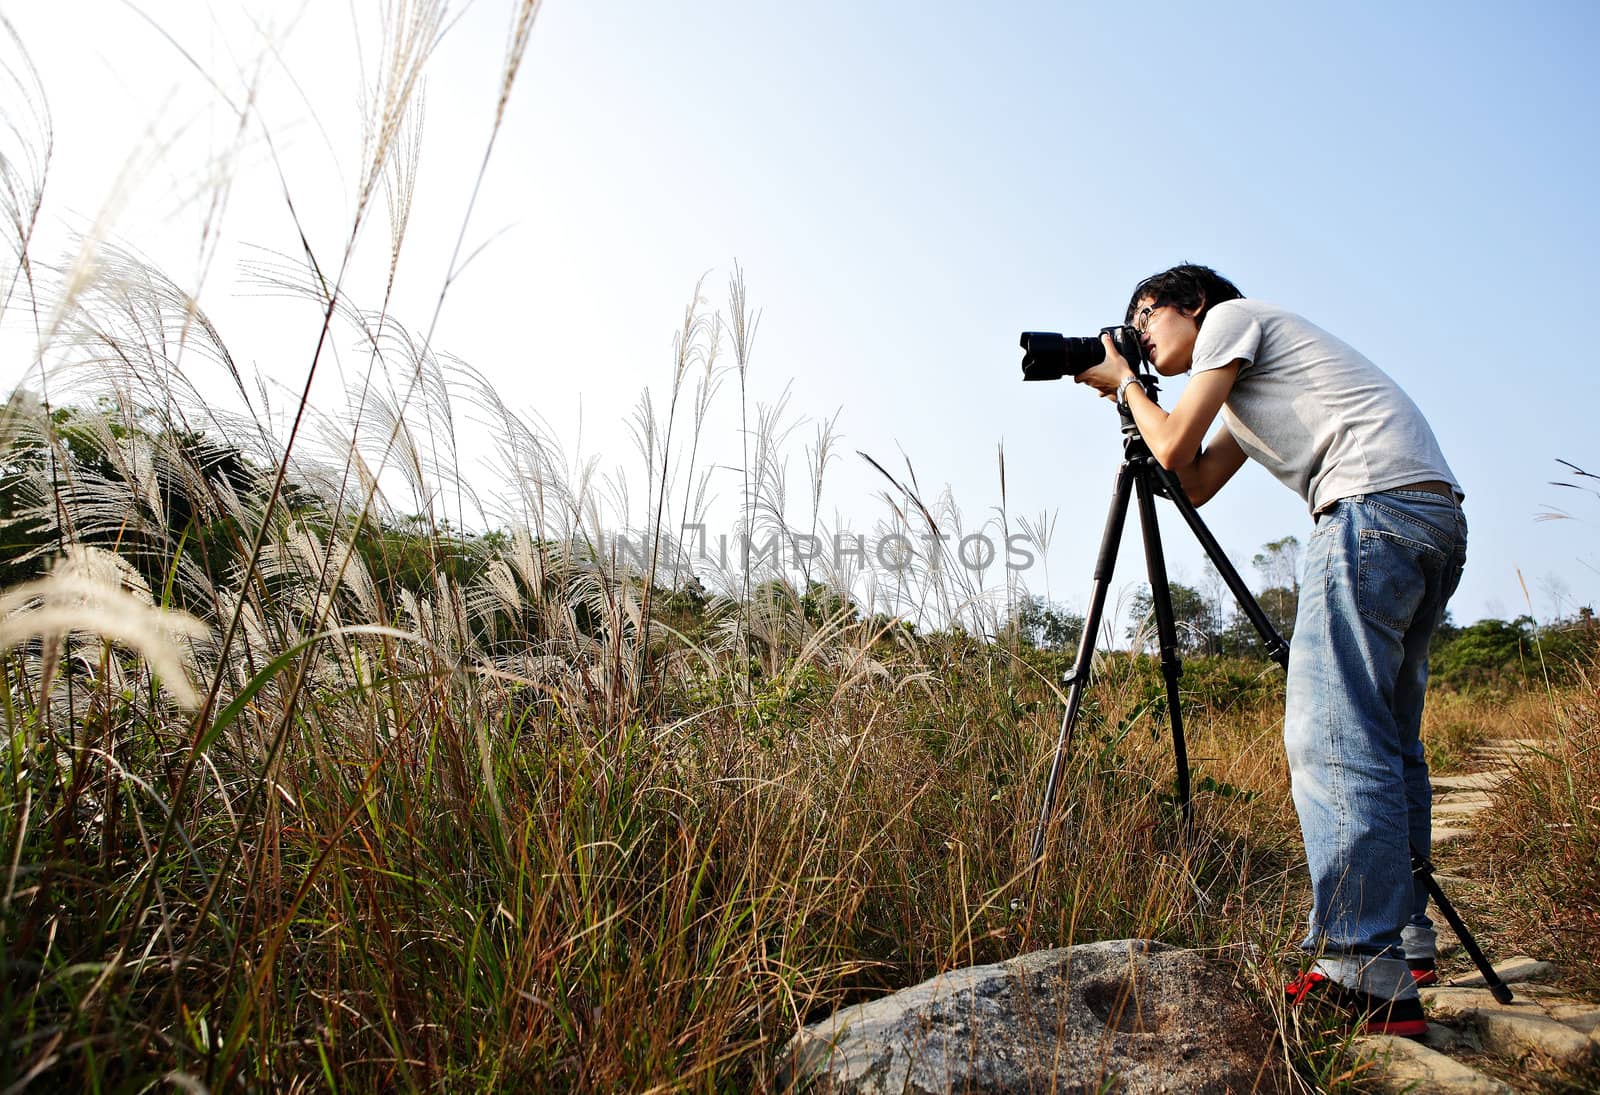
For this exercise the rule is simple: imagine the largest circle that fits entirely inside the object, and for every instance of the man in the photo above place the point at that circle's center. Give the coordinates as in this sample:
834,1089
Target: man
1386,554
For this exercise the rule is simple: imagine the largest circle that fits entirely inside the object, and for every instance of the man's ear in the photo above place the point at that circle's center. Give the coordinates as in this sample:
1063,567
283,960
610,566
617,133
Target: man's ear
1198,308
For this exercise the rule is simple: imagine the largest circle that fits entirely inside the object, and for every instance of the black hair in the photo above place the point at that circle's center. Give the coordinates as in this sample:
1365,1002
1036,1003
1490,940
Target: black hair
1188,287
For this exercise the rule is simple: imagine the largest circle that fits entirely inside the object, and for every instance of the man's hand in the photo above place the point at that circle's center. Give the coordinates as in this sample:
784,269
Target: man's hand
1106,376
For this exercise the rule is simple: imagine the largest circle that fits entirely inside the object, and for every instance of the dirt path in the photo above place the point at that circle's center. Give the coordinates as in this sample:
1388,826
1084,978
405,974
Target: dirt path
1543,1030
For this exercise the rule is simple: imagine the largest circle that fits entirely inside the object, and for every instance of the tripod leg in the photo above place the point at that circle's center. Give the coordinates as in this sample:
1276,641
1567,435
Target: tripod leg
1166,637
1423,869
1078,678
1277,647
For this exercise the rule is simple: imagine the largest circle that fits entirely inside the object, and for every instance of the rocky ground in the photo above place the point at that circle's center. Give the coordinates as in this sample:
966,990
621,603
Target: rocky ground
1545,1039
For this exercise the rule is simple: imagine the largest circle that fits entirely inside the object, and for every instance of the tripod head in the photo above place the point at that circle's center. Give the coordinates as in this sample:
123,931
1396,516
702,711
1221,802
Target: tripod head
1133,446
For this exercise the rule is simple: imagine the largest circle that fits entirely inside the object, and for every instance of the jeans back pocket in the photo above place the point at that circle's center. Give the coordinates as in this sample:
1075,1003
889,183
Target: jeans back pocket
1394,576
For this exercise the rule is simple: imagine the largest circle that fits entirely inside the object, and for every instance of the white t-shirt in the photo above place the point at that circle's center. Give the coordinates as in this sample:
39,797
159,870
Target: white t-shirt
1322,418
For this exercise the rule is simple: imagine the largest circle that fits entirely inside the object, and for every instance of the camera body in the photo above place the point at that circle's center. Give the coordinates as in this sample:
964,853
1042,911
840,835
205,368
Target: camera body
1049,356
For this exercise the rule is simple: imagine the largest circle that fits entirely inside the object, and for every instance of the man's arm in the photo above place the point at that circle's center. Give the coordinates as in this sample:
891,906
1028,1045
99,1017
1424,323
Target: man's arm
1174,439
1208,472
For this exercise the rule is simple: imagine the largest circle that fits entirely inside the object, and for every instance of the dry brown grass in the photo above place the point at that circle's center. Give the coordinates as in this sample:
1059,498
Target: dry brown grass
1539,845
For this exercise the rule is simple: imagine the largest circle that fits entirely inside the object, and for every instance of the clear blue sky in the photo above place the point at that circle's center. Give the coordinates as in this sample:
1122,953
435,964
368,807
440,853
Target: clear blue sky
909,185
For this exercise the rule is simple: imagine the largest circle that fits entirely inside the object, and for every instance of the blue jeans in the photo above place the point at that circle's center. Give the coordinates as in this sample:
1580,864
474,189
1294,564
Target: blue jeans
1379,569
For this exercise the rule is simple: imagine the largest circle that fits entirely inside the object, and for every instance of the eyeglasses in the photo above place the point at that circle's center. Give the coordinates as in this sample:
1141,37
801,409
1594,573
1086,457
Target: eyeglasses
1141,318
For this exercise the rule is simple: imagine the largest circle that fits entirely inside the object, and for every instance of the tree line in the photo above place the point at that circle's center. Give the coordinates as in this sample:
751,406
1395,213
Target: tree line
1487,653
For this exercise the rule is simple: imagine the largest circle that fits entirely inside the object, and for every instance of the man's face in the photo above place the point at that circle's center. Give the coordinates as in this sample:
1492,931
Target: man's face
1168,335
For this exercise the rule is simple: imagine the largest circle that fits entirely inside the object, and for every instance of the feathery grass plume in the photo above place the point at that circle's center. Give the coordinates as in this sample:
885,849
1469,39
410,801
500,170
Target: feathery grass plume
95,592
743,323
1038,534
695,344
26,144
133,320
819,454
1004,513
410,31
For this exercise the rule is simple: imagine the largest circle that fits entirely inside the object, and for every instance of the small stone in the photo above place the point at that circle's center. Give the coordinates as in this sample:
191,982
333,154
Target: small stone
1451,1001
1541,1021
1511,971
1578,1016
1401,1065
1510,1033
1447,835
1474,781
1449,1037
1462,806
1462,798
1512,753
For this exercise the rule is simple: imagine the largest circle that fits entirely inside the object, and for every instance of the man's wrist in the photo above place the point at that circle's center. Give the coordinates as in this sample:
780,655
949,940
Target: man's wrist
1128,381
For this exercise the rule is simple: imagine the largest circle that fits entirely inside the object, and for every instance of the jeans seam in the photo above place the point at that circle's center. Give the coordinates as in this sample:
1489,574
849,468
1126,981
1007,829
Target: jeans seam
1423,494
1335,739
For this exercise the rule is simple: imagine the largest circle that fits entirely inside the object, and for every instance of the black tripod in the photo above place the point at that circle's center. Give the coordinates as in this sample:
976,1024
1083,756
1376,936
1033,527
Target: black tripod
1143,477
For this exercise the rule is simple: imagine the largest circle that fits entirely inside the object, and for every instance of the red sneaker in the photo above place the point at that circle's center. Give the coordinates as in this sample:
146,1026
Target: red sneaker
1377,1015
1423,972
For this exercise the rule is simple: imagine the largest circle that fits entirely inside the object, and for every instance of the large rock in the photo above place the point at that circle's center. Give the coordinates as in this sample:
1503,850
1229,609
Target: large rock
1127,1016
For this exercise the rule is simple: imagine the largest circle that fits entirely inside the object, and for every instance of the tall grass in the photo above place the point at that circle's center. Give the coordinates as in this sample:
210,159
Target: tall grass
1540,848
658,901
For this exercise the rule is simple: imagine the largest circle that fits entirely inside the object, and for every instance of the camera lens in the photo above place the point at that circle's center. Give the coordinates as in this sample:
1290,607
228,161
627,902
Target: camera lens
1049,356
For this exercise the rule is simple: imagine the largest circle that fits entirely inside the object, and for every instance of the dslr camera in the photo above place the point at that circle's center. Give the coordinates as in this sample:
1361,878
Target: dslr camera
1049,356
